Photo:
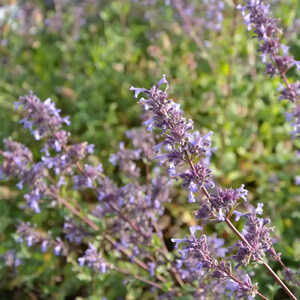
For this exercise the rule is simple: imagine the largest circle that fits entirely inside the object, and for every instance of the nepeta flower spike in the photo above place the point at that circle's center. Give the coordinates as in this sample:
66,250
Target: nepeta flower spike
274,55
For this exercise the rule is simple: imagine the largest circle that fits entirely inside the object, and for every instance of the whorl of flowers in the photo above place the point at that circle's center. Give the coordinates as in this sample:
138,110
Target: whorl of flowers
274,54
74,233
42,117
258,232
93,260
10,258
204,257
43,120
29,234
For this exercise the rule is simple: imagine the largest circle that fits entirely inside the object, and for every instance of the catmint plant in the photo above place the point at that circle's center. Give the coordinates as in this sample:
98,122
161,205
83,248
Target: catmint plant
185,154
121,225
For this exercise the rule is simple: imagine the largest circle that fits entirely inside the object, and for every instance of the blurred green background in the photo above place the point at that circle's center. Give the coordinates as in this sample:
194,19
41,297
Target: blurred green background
86,54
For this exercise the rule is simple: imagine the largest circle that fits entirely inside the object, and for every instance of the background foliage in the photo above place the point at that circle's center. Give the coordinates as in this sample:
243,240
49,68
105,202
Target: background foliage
85,56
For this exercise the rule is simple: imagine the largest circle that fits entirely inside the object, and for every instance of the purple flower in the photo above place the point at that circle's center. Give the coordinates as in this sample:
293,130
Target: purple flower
198,260
73,232
172,169
258,234
44,245
152,267
297,180
59,247
137,91
41,118
11,259
238,215
191,197
194,229
93,260
221,216
28,233
259,209
242,192
90,148
126,159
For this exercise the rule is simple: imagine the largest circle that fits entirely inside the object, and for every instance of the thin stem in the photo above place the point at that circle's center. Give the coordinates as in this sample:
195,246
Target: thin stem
122,216
275,276
241,283
137,229
237,233
277,257
152,283
108,238
261,295
269,269
96,228
242,238
282,74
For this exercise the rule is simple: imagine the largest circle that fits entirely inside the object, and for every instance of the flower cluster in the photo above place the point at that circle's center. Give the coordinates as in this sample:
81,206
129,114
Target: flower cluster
41,118
136,207
18,162
294,118
203,257
10,258
74,233
274,55
93,260
125,160
258,233
130,211
30,235
144,141
186,153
